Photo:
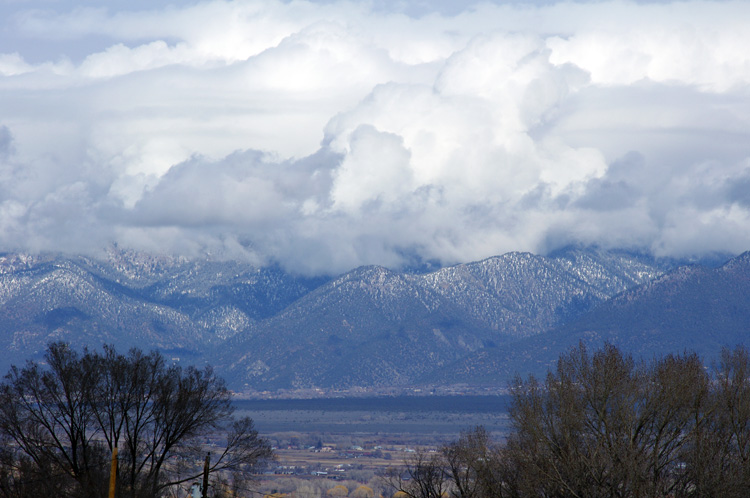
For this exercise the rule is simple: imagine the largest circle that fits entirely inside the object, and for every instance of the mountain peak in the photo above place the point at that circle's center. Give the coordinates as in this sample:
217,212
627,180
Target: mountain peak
370,326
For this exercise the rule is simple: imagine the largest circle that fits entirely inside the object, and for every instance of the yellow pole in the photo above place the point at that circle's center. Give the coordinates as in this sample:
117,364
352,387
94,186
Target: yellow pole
113,474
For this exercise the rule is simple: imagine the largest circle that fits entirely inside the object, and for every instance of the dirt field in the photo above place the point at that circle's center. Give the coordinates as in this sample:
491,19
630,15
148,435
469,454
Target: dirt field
310,472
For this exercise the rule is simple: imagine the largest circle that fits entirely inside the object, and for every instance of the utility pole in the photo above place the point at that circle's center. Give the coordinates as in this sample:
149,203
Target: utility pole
205,474
113,474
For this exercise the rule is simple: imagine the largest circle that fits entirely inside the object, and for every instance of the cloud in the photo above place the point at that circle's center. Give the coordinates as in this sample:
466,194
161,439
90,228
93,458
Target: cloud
6,142
325,135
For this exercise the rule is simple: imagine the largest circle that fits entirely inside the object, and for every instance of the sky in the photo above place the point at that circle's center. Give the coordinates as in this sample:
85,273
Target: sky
324,135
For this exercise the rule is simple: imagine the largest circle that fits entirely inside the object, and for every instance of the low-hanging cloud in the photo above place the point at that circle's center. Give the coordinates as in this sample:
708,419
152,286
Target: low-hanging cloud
327,135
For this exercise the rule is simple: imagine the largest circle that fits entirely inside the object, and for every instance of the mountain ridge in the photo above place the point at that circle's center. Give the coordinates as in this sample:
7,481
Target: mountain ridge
691,308
436,318
371,327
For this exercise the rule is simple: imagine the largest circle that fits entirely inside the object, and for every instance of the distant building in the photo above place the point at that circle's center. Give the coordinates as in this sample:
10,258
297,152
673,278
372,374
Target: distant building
196,490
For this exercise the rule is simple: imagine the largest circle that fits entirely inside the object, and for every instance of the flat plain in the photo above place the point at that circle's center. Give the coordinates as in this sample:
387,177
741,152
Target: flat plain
407,415
354,440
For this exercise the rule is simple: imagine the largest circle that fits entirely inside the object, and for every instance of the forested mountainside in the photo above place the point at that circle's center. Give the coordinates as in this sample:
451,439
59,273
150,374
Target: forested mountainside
692,308
264,328
135,299
373,326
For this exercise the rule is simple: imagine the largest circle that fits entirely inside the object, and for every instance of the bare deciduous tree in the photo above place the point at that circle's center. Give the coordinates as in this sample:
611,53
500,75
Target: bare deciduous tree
64,421
603,425
423,476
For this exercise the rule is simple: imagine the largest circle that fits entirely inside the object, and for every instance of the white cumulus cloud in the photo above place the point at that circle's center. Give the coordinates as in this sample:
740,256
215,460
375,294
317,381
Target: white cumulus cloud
325,135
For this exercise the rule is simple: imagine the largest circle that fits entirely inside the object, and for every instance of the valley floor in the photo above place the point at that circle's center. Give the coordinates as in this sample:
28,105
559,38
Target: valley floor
322,443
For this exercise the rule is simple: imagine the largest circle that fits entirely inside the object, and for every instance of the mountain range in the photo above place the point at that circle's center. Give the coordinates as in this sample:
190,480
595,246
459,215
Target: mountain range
476,323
